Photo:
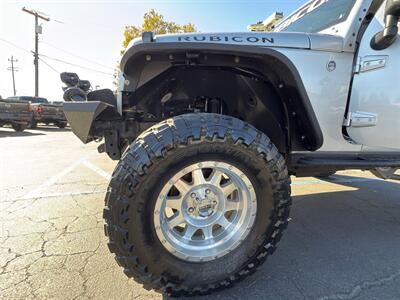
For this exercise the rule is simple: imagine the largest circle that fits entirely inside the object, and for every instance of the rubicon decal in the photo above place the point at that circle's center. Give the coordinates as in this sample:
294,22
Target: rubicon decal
219,38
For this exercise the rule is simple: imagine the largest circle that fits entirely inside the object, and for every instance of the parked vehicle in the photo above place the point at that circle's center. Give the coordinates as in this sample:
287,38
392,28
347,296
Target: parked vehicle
208,128
44,111
15,113
51,113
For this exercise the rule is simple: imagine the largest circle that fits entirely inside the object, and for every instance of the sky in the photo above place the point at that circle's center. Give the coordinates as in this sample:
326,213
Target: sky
88,34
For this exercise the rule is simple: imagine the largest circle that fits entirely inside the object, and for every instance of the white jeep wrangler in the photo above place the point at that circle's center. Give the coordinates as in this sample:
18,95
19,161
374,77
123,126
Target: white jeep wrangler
208,128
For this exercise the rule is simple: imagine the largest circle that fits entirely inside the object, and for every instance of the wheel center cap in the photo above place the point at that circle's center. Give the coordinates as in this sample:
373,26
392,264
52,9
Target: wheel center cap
203,203
205,208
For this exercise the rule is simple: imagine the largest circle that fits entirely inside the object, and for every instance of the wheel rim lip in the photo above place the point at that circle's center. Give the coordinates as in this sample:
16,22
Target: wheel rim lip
198,250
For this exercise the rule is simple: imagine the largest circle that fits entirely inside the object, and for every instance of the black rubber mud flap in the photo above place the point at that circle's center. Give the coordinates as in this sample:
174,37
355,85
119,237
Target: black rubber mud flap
81,115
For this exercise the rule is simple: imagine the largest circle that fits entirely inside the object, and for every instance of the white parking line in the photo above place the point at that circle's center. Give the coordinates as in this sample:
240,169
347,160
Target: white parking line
36,193
96,169
52,195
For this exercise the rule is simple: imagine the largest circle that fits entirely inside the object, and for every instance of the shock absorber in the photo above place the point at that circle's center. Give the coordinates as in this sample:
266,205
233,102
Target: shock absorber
214,105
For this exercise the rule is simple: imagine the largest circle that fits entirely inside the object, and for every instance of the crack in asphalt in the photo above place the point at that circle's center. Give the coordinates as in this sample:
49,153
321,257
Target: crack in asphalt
358,289
43,252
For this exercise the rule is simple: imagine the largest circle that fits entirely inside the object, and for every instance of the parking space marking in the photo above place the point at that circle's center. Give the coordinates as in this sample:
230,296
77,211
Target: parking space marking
96,169
37,192
52,195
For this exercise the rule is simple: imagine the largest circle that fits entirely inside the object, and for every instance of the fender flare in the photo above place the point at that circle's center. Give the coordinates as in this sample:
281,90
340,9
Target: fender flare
137,57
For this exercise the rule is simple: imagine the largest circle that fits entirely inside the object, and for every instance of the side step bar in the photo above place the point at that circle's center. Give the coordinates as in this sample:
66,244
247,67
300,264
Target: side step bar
307,165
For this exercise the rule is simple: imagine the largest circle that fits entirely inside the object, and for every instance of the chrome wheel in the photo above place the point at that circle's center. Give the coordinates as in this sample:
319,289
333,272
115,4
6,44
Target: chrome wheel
205,211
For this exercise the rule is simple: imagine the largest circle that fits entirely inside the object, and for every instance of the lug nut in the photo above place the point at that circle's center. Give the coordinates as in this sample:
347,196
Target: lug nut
191,209
208,191
193,195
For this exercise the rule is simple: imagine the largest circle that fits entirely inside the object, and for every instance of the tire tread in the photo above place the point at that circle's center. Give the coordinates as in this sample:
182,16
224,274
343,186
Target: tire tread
154,144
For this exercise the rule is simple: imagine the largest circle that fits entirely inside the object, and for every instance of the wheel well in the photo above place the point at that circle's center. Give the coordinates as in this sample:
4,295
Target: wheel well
263,91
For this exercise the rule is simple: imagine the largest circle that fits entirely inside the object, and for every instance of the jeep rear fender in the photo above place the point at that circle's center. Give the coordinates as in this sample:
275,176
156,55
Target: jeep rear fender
144,62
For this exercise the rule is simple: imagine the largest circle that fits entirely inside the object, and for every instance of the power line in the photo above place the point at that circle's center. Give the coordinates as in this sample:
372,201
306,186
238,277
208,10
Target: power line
74,65
48,65
78,56
57,59
14,45
20,91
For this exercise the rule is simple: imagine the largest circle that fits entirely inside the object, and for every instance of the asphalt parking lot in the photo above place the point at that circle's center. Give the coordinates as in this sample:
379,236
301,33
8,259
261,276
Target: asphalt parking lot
343,241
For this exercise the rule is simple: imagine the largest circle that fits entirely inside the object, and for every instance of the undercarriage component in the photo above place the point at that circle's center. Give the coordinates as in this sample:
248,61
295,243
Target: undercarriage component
386,173
112,144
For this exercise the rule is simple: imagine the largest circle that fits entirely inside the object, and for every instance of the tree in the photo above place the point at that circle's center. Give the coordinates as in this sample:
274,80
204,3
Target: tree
153,21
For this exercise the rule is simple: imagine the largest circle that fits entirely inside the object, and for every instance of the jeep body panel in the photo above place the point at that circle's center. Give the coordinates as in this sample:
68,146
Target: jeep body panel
265,39
328,92
326,42
347,29
323,42
376,91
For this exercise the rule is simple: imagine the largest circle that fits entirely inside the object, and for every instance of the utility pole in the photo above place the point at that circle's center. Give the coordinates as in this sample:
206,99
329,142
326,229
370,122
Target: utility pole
13,69
38,30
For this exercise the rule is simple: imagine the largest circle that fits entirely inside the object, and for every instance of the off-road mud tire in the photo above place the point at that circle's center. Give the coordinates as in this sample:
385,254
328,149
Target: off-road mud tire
147,165
19,127
61,125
